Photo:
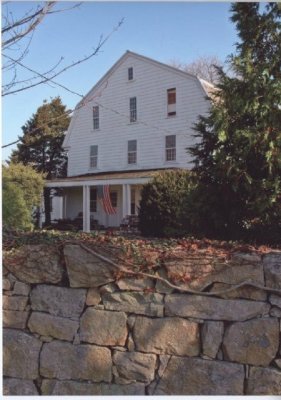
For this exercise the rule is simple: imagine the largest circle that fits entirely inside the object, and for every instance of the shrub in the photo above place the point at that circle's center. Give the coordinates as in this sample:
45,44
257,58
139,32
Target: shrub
162,204
16,214
22,190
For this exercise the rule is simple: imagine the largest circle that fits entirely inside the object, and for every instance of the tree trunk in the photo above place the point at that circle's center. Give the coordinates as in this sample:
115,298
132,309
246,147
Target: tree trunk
47,205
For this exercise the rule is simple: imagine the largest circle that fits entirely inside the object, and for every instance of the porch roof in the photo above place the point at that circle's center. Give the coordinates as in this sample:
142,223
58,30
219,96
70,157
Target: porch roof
109,178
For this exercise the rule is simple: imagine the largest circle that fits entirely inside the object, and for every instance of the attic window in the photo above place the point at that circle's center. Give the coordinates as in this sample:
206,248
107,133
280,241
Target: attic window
130,74
171,102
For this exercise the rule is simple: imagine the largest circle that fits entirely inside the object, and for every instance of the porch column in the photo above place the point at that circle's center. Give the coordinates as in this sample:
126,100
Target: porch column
126,203
86,208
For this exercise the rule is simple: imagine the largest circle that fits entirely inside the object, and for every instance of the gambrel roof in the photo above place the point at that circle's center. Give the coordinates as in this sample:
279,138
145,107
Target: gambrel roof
206,87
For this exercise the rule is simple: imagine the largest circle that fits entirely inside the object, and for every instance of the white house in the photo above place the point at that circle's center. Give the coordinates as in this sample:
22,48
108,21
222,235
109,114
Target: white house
135,121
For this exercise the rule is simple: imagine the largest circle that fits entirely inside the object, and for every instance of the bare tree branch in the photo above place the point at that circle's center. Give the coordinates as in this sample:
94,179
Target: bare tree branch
39,15
46,79
74,64
36,73
204,67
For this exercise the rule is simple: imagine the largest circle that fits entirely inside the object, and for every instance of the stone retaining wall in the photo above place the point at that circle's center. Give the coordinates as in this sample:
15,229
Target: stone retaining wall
73,329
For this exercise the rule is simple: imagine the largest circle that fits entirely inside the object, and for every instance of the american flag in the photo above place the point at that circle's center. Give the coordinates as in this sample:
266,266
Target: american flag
104,198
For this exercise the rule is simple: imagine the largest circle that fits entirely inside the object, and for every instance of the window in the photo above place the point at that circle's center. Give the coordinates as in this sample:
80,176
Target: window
132,151
170,148
113,199
130,74
171,102
93,156
96,118
93,200
133,109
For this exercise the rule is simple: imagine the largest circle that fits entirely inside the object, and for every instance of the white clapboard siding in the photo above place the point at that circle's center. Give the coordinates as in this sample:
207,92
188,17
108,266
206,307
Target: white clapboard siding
149,86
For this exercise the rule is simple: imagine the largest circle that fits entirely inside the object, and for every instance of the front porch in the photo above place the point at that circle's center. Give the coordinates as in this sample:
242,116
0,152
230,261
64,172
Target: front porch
81,198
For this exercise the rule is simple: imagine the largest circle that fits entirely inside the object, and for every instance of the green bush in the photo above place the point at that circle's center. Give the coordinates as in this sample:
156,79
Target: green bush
162,204
22,190
16,214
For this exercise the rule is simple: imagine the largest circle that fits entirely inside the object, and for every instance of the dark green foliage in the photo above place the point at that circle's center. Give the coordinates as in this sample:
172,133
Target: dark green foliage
41,143
238,156
161,206
22,189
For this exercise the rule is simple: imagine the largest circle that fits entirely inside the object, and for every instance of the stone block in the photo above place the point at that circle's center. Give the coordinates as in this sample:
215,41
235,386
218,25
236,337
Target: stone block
15,319
264,381
213,308
58,301
109,288
19,387
245,292
272,269
202,270
130,343
162,287
38,264
86,270
135,302
75,388
212,333
275,300
131,321
62,360
134,366
106,328
192,376
163,362
20,354
253,342
21,288
16,303
6,284
93,297
55,327
167,336
135,284
275,312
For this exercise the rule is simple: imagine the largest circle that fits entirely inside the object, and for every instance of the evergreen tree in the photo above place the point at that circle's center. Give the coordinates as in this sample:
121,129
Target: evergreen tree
238,155
41,144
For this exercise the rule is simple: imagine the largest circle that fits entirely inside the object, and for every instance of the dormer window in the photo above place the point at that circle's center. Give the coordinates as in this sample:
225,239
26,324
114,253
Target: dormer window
171,102
130,74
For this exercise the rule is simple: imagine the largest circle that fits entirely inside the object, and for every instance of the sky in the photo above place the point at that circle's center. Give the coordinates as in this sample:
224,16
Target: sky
164,31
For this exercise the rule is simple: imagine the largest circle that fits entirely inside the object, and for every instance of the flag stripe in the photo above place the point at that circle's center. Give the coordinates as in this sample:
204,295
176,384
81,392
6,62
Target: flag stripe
104,197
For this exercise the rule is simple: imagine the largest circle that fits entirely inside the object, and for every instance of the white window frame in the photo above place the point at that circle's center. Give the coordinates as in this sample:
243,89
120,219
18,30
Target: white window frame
133,109
96,117
132,154
170,149
93,156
